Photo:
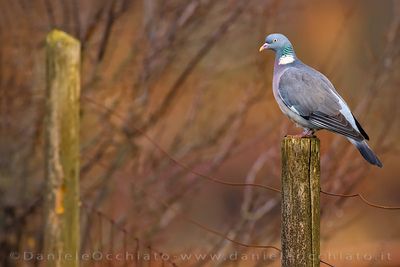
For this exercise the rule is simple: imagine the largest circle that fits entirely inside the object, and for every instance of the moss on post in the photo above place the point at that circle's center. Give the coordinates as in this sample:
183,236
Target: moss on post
62,150
300,202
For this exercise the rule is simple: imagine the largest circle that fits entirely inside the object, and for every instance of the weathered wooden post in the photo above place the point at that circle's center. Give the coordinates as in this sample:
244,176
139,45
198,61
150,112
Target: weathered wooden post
62,150
300,202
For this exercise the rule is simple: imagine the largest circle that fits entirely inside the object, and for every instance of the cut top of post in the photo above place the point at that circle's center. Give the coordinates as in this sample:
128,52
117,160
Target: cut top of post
56,37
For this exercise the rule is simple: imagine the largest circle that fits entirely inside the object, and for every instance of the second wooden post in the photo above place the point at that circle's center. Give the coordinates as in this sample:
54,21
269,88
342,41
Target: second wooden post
61,232
300,202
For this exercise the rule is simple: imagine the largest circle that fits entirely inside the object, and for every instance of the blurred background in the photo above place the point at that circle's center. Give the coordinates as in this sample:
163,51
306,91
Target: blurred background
189,75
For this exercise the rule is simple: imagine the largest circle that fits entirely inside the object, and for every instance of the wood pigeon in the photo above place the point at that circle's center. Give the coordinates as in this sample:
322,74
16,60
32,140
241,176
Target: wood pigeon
310,100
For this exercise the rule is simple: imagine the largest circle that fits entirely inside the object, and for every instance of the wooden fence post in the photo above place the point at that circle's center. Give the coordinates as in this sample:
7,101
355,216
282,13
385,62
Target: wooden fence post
300,202
61,232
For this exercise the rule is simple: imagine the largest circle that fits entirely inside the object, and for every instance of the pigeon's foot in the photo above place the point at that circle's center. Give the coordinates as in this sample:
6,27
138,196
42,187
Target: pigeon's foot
307,133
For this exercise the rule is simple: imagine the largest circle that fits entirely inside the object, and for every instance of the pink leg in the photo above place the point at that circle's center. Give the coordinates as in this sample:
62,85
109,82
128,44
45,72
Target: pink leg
307,133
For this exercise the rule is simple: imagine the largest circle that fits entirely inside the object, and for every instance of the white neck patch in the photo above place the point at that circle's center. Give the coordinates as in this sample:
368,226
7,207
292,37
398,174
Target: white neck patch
286,59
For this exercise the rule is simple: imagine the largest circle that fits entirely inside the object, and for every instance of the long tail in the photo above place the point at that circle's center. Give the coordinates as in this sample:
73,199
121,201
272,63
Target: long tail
367,152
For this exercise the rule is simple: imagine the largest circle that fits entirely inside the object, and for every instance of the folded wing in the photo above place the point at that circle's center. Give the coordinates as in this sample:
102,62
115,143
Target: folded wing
313,97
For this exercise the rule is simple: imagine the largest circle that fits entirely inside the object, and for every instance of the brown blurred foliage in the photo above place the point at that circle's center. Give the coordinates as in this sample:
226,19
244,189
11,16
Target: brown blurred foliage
188,74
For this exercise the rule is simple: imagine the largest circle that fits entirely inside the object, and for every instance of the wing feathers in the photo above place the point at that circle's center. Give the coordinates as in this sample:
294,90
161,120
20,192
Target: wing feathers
337,124
311,95
361,129
307,93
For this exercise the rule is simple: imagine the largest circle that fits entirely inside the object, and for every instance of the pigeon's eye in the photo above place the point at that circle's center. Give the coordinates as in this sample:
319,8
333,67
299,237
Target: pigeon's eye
275,40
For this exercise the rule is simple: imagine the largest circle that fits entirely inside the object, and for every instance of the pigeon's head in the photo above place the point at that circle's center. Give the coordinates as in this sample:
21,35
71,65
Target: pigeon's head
276,42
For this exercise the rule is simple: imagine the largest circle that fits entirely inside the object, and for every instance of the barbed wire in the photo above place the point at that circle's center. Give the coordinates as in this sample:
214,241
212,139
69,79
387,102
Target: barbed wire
126,233
200,225
221,181
362,198
180,164
208,229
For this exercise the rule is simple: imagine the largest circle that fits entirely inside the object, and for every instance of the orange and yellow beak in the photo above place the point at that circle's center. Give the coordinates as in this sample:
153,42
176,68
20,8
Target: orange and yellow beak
263,47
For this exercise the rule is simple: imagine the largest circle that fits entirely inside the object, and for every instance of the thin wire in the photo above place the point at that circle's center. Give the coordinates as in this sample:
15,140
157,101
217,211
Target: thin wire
220,181
198,224
121,229
362,198
176,162
207,229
